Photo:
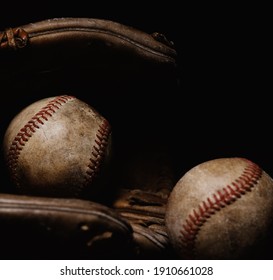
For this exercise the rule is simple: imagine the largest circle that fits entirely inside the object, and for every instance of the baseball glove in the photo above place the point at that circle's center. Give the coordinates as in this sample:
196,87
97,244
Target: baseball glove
57,228
142,201
127,75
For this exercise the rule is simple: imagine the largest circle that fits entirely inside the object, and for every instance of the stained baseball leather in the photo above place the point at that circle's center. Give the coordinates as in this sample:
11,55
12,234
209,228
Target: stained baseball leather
221,209
69,141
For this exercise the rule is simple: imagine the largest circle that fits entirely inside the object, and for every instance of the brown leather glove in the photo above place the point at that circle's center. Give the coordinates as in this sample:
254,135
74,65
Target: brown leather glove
58,228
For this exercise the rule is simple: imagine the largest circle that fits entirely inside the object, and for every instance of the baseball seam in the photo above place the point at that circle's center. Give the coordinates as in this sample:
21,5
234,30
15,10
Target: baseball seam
220,199
98,152
28,130
98,149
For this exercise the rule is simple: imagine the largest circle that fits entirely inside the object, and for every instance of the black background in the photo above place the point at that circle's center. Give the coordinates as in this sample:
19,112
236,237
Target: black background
222,107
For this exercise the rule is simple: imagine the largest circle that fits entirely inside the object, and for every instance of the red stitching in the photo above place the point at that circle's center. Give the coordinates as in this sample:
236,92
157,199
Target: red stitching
28,130
223,197
98,152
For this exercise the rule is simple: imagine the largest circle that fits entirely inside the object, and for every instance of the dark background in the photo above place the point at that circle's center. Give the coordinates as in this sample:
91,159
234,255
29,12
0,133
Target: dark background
222,105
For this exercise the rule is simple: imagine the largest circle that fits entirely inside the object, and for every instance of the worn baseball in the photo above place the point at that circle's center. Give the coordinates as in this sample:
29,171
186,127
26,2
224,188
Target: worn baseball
220,209
57,146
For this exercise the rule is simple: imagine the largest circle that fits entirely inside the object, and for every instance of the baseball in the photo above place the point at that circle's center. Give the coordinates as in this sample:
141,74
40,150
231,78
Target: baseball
220,209
56,146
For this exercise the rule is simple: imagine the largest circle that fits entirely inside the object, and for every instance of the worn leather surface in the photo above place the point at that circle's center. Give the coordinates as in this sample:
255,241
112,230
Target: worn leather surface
58,228
145,211
58,43
142,197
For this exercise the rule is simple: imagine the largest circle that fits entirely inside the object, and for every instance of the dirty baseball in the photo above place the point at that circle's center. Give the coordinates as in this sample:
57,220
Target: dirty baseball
220,209
56,146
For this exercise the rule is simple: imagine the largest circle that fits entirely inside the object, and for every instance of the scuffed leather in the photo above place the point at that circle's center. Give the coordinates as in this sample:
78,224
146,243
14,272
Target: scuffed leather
56,42
41,227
